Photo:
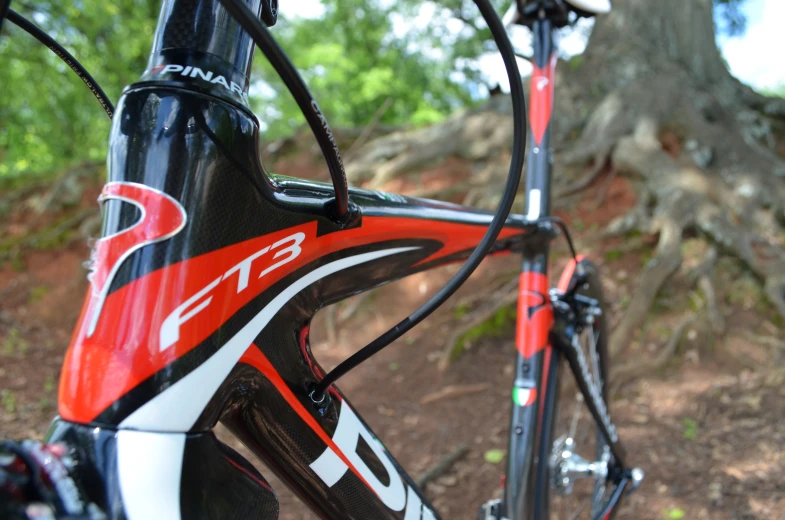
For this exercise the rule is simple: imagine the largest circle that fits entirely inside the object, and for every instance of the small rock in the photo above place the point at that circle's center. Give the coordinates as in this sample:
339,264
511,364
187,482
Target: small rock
715,494
448,480
436,489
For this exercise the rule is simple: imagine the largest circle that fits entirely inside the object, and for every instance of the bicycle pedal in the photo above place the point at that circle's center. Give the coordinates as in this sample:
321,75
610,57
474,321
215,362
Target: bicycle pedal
636,479
491,510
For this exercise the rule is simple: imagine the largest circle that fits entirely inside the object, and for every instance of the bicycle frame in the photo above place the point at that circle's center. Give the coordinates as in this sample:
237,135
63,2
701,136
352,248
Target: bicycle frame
204,284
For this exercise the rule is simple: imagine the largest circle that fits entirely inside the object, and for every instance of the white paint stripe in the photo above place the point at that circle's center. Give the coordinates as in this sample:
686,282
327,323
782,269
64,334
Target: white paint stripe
177,408
149,466
533,205
427,514
413,504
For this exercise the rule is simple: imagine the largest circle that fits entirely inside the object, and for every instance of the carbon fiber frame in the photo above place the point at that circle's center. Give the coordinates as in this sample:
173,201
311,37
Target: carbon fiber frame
204,284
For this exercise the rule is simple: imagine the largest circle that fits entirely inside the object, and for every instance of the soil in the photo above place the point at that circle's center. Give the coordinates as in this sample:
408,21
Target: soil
707,429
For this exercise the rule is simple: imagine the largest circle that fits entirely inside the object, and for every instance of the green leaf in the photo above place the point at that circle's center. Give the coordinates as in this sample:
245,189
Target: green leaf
690,429
674,514
494,456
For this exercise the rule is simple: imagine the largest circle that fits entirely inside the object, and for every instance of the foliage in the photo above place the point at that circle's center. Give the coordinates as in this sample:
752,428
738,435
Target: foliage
48,119
778,91
494,456
419,54
495,326
690,429
361,52
729,18
674,514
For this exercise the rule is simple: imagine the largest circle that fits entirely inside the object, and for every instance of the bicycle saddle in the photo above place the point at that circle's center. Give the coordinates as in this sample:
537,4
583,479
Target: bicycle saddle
591,6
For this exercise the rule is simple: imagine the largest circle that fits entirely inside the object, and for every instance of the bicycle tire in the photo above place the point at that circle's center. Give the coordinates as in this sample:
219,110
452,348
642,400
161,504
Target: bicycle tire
547,497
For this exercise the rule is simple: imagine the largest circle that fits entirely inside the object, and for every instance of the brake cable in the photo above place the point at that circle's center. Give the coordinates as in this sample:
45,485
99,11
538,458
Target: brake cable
59,51
272,51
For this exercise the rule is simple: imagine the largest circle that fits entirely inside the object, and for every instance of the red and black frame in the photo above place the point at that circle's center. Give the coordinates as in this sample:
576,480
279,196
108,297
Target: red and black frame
207,276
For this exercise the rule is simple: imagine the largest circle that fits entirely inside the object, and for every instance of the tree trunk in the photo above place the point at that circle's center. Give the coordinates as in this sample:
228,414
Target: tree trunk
680,31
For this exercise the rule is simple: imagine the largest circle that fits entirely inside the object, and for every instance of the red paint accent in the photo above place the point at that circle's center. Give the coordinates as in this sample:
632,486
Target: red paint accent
256,358
161,216
541,98
253,477
569,270
124,349
535,315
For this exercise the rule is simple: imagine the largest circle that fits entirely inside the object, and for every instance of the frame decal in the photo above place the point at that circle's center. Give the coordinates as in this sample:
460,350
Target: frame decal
535,315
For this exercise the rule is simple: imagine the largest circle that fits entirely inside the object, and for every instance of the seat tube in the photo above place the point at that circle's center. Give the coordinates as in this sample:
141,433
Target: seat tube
535,359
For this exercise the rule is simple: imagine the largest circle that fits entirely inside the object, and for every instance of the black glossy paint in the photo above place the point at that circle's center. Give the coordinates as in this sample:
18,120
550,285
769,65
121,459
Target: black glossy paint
216,482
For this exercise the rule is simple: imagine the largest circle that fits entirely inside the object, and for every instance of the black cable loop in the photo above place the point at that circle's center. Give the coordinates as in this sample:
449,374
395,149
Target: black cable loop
508,197
59,51
297,87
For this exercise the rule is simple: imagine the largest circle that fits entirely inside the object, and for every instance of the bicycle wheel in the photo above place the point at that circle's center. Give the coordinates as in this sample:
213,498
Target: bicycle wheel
573,461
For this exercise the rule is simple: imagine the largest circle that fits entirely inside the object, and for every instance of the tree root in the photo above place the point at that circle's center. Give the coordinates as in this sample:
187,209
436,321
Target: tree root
687,198
442,466
629,371
450,391
701,275
656,272
600,162
716,319
637,219
604,189
777,345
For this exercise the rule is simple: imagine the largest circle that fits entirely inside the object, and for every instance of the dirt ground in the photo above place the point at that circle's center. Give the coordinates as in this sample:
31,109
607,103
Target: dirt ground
707,428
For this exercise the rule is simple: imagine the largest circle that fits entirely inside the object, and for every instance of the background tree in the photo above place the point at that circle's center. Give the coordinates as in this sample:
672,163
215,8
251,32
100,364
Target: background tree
48,119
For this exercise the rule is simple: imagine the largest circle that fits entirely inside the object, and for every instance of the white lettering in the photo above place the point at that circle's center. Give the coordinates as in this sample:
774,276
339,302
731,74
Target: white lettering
330,468
294,251
172,68
244,269
170,329
199,72
413,505
221,80
209,76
